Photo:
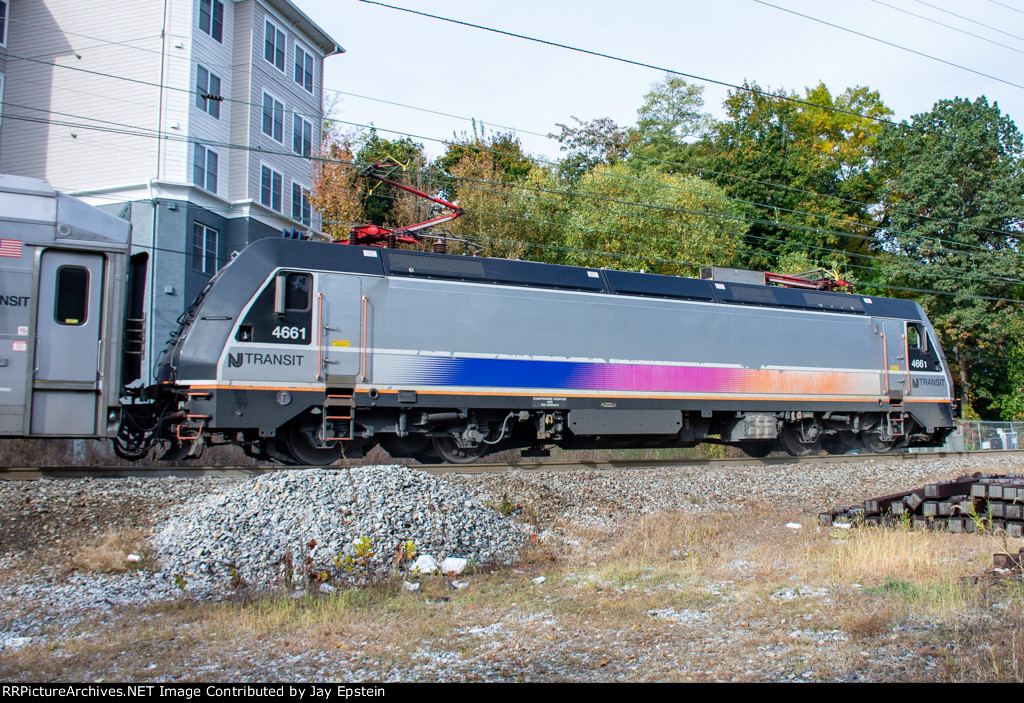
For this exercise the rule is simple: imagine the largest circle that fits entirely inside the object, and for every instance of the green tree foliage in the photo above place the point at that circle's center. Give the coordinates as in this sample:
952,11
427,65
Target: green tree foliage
511,206
501,150
954,210
335,188
646,219
381,201
590,144
803,166
669,119
1010,401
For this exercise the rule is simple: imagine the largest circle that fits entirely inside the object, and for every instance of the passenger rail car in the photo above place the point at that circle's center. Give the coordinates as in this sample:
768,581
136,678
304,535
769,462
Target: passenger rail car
63,275
304,351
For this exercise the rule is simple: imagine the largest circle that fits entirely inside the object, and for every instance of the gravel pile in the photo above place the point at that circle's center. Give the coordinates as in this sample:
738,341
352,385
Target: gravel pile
348,525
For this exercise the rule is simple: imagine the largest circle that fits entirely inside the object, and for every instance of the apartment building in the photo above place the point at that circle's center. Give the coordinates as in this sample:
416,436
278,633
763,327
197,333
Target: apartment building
194,119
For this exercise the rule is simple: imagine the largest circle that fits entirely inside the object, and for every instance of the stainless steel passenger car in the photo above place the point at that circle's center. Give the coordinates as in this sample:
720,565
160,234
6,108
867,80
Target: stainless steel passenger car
63,268
302,351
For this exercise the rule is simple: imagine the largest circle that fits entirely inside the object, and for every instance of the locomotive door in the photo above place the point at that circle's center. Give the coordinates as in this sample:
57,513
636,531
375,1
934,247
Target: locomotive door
69,332
341,329
894,353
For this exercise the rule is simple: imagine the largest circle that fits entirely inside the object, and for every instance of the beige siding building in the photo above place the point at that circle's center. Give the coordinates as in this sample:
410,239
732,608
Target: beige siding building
195,119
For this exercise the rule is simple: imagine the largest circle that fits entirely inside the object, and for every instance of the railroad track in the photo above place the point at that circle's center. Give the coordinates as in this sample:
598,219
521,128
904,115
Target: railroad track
194,471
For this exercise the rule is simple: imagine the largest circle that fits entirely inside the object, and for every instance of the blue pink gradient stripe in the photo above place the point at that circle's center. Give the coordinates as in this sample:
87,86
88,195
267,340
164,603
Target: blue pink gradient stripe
625,377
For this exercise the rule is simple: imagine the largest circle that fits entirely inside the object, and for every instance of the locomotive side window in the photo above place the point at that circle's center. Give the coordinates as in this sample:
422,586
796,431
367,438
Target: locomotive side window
282,312
71,304
915,340
297,289
920,354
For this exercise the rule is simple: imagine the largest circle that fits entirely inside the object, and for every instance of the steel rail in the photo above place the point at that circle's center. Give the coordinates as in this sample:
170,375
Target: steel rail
197,471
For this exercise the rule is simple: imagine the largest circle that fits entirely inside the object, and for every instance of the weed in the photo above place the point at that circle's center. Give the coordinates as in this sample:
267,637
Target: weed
362,553
504,506
404,552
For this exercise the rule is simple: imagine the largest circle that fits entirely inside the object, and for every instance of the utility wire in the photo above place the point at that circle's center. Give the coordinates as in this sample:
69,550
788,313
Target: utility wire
704,169
251,104
887,43
1008,7
145,132
632,62
947,26
968,19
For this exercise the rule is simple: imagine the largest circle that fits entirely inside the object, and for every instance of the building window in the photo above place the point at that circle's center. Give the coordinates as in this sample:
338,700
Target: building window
204,249
273,46
3,80
270,188
211,18
273,117
302,136
208,97
204,168
303,68
301,208
3,23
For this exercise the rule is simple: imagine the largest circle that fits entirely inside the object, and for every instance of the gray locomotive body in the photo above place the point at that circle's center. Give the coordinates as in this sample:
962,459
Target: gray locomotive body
303,351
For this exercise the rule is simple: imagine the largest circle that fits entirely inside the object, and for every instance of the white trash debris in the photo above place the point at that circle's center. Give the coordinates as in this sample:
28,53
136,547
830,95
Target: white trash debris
794,525
409,586
133,558
539,580
453,566
424,564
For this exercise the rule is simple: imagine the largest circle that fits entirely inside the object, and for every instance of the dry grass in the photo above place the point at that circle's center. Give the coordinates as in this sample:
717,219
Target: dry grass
109,552
666,597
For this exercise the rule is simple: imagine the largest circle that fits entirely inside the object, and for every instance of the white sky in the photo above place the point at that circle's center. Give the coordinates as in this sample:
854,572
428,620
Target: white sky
426,63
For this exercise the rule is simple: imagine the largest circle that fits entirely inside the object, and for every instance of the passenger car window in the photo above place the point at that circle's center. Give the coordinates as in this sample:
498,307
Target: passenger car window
72,300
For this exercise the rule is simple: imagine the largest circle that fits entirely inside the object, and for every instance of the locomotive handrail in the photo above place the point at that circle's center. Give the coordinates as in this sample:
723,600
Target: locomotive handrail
320,336
885,362
362,374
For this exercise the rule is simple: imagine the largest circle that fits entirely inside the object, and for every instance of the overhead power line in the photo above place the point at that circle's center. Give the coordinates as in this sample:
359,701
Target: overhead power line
947,26
251,104
1008,7
642,64
887,43
968,19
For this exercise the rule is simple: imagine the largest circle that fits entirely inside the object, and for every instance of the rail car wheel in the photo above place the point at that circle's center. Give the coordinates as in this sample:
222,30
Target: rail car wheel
449,450
791,440
875,444
300,445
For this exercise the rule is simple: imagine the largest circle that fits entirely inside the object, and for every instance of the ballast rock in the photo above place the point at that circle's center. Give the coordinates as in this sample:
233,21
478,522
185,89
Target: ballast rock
342,525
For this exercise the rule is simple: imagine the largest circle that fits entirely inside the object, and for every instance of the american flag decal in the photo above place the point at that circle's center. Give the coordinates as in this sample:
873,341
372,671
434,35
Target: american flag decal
10,247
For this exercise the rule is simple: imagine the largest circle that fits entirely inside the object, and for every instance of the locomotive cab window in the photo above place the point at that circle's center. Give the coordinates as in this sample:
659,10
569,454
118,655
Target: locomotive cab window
296,291
915,338
920,354
282,312
71,303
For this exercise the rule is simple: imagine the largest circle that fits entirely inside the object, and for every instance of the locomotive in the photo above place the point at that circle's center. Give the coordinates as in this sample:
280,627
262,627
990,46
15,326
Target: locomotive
303,352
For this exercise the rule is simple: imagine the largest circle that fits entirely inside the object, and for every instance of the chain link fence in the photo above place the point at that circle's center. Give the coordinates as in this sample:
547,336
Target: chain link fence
975,435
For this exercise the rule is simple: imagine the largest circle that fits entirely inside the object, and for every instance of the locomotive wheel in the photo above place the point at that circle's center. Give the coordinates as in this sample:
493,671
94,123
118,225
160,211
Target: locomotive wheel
298,442
789,438
875,444
450,451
